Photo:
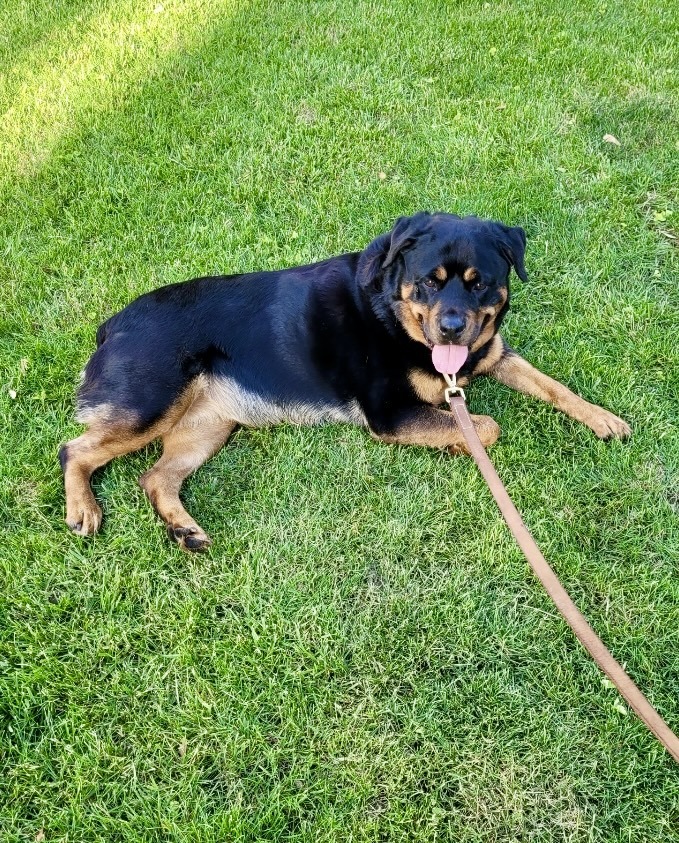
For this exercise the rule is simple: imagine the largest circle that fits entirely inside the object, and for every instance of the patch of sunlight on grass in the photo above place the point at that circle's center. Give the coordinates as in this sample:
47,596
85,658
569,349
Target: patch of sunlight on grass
90,66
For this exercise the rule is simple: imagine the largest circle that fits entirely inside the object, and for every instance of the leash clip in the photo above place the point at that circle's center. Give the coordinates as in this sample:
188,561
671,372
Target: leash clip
453,388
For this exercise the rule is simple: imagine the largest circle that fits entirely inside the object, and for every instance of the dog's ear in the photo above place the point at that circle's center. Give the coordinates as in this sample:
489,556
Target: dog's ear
383,251
404,235
513,246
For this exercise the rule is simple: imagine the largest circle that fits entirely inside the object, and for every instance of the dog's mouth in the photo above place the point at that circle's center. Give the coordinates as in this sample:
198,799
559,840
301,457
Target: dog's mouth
449,359
425,333
442,343
431,335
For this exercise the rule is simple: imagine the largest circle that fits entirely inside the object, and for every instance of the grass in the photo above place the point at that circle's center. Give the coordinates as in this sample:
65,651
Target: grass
363,655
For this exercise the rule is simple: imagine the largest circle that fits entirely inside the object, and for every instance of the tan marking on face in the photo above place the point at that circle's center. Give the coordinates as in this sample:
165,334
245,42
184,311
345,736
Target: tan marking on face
485,320
486,333
440,273
470,274
406,315
428,388
413,315
430,318
492,357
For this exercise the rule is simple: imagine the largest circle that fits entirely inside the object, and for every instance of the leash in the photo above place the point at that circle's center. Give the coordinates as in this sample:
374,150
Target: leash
569,611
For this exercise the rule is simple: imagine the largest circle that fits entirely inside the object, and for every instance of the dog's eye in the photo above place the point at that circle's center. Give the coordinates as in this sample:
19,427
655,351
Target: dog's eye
430,282
478,286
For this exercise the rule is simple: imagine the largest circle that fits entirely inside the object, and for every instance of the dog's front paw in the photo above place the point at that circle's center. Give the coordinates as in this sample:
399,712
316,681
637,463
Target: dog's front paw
606,425
487,429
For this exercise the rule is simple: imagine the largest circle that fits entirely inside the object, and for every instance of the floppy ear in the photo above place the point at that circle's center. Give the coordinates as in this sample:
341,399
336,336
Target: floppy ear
513,246
404,235
383,251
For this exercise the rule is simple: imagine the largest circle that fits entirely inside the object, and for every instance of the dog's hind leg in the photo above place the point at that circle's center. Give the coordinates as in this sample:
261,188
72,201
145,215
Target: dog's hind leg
197,436
79,458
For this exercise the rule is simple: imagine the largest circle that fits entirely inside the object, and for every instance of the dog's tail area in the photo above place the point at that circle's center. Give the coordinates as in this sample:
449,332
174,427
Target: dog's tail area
107,328
102,332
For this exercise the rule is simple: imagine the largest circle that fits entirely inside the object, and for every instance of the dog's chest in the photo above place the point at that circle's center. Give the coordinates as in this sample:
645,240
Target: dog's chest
252,409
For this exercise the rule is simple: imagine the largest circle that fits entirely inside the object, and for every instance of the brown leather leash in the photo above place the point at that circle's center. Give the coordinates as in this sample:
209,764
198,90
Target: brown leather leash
569,611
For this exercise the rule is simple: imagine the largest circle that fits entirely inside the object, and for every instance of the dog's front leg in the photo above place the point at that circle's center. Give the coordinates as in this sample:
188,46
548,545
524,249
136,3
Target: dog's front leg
428,426
512,370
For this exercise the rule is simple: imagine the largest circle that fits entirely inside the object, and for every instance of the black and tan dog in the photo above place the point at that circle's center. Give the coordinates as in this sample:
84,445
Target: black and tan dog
348,339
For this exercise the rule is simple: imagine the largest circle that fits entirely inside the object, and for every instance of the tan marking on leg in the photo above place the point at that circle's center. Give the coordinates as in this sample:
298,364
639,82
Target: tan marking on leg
81,457
514,371
428,388
435,428
197,436
111,434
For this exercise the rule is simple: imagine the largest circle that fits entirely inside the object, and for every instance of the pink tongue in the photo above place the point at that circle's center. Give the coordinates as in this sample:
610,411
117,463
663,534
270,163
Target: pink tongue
449,359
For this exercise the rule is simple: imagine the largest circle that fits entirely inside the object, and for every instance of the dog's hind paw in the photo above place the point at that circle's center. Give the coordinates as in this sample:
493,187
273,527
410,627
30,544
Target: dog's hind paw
192,539
84,518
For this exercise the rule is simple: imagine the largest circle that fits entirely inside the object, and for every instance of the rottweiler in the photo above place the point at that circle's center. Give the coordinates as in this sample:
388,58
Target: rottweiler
348,339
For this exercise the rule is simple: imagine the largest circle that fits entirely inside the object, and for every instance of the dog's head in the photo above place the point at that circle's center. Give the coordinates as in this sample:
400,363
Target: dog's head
445,278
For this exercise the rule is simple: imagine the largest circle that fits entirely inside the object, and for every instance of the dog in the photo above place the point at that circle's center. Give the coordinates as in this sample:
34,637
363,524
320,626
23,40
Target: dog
348,339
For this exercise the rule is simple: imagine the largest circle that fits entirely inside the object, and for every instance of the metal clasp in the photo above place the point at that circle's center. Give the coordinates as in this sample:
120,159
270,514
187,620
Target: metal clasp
453,388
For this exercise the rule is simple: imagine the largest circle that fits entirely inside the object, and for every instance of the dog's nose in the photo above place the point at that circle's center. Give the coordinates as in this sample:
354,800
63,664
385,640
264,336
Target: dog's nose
452,324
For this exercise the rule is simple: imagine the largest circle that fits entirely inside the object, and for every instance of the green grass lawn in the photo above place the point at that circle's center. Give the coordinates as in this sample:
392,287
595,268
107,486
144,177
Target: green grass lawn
363,655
